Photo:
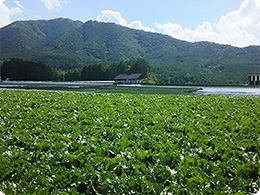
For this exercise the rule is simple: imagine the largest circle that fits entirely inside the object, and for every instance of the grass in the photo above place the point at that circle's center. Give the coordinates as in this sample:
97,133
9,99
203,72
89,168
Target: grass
81,87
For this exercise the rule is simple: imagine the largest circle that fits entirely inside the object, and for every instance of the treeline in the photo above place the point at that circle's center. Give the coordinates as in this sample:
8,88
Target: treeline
108,72
20,70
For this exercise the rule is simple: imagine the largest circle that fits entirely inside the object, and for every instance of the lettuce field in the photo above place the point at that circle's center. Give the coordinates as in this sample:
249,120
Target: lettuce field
79,143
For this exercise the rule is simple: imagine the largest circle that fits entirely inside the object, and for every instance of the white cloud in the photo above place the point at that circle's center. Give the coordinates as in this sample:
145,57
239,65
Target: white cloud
111,16
203,32
19,4
138,25
239,28
6,13
116,17
54,4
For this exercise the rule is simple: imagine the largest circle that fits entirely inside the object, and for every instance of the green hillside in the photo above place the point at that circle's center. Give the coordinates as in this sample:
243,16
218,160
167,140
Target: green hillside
67,44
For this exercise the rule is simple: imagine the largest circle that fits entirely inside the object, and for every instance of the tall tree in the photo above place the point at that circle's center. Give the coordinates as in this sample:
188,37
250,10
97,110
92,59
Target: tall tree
72,75
18,69
140,66
93,73
117,68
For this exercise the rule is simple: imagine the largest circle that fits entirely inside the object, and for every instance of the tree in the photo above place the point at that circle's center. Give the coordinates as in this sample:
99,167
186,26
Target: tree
18,69
93,73
117,68
72,75
140,66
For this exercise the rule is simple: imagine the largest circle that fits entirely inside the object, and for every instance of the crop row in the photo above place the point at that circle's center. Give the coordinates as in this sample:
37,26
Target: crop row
78,143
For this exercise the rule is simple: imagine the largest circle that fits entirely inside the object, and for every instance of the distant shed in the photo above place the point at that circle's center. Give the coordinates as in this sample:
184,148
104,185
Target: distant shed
254,78
134,78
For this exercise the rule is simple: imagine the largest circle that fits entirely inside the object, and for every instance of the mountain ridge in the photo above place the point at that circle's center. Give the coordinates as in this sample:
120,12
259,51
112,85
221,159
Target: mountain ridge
67,44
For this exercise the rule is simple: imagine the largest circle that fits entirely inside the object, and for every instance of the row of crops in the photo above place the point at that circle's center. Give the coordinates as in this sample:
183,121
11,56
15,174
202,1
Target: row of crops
78,143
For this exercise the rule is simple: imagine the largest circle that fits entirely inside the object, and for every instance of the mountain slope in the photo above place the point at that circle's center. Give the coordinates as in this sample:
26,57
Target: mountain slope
66,44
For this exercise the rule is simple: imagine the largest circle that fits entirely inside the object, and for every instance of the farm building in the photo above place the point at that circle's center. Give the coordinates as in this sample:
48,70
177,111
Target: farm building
254,78
134,78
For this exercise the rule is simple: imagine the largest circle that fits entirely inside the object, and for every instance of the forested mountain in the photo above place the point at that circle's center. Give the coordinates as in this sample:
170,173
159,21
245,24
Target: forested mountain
66,44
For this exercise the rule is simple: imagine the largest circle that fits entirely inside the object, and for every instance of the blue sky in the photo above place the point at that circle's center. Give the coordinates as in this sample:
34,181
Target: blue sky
234,22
